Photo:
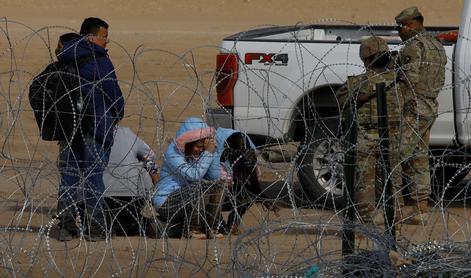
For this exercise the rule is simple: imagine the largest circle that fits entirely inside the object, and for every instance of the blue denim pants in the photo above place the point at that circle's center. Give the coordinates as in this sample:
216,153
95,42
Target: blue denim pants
82,164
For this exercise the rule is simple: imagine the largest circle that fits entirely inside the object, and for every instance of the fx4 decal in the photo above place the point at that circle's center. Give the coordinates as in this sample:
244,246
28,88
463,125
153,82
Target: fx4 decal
267,59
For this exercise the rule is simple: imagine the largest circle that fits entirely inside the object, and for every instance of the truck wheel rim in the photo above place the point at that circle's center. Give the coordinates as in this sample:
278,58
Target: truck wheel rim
328,166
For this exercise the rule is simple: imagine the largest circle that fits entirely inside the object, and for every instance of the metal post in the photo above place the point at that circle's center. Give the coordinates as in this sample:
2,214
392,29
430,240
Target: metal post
383,130
349,126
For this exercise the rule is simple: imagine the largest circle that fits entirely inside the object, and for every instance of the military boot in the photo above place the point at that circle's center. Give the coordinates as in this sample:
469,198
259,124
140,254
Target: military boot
418,214
367,216
365,206
378,218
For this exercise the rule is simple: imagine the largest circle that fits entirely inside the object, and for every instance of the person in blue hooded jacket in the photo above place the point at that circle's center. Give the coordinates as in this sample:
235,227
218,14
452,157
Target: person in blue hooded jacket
186,192
87,155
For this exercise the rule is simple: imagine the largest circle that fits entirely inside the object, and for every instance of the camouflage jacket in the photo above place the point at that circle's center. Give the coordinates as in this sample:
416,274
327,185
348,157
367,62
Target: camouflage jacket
362,87
421,73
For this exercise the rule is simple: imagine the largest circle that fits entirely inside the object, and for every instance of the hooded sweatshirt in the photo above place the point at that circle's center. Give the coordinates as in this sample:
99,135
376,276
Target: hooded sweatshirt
102,97
178,170
125,175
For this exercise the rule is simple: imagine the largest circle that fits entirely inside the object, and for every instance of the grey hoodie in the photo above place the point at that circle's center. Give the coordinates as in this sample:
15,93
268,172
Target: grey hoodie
125,175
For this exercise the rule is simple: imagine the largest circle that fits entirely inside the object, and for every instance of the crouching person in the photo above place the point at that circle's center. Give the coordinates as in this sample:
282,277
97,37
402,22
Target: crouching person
236,164
185,195
128,187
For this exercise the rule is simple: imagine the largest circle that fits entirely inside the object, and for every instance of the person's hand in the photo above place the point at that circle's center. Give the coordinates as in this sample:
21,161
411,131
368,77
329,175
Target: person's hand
151,167
209,145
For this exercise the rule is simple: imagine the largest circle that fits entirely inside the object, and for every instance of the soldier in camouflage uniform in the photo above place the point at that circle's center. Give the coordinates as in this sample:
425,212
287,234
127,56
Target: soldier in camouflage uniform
421,76
359,92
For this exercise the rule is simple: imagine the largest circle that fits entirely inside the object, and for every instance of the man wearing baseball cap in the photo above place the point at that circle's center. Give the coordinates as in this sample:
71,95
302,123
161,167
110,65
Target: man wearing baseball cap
421,76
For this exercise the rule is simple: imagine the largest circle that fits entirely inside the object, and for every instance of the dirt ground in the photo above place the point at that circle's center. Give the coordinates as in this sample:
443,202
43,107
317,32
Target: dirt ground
164,52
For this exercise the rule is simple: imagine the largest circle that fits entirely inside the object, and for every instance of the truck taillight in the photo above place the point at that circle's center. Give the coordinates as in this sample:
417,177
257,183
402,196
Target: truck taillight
226,78
450,36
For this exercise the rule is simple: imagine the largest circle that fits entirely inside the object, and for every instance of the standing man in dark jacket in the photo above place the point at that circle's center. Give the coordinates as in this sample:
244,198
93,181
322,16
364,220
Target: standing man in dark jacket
86,156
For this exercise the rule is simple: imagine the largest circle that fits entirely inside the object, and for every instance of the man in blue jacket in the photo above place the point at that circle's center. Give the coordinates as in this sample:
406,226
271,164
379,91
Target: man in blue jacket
86,156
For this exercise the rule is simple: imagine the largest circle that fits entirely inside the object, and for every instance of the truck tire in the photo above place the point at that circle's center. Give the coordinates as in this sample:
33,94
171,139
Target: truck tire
447,172
320,165
320,168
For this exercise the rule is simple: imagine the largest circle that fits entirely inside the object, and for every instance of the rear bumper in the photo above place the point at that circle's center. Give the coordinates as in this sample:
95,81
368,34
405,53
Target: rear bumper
220,117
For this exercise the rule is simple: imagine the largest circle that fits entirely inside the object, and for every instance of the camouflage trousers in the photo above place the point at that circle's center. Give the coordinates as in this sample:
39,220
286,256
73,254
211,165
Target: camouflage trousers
414,138
368,169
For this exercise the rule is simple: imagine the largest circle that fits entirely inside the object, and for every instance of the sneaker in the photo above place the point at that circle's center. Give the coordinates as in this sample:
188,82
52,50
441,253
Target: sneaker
66,235
196,234
95,233
67,231
215,234
95,237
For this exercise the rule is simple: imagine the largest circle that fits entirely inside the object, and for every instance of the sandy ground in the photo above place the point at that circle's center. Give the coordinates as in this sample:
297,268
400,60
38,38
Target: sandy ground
164,52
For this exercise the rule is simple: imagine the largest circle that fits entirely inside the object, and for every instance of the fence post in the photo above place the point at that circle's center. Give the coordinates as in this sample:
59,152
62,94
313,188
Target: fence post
349,126
383,131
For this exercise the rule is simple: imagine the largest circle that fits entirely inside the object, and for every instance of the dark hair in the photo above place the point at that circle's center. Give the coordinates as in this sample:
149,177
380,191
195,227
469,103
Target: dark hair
189,146
68,37
91,25
237,140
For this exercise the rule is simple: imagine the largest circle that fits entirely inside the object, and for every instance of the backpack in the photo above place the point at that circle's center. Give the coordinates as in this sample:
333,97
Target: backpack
56,100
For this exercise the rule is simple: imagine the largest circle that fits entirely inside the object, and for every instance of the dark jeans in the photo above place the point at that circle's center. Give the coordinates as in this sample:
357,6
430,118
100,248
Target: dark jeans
81,164
124,215
194,206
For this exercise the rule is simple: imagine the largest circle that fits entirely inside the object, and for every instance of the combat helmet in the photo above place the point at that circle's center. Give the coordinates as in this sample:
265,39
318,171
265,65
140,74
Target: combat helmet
372,46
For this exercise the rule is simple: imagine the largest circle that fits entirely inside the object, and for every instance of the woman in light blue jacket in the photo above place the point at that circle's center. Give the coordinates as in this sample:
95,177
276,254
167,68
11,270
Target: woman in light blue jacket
185,193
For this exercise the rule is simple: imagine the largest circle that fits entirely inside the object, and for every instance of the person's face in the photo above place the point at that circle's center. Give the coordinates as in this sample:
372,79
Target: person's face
100,38
378,62
196,148
409,28
59,47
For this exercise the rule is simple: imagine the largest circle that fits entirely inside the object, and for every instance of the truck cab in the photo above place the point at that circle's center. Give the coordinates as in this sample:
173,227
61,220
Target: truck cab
278,85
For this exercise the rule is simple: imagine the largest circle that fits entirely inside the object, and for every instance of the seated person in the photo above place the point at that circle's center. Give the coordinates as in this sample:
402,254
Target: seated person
185,195
127,184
